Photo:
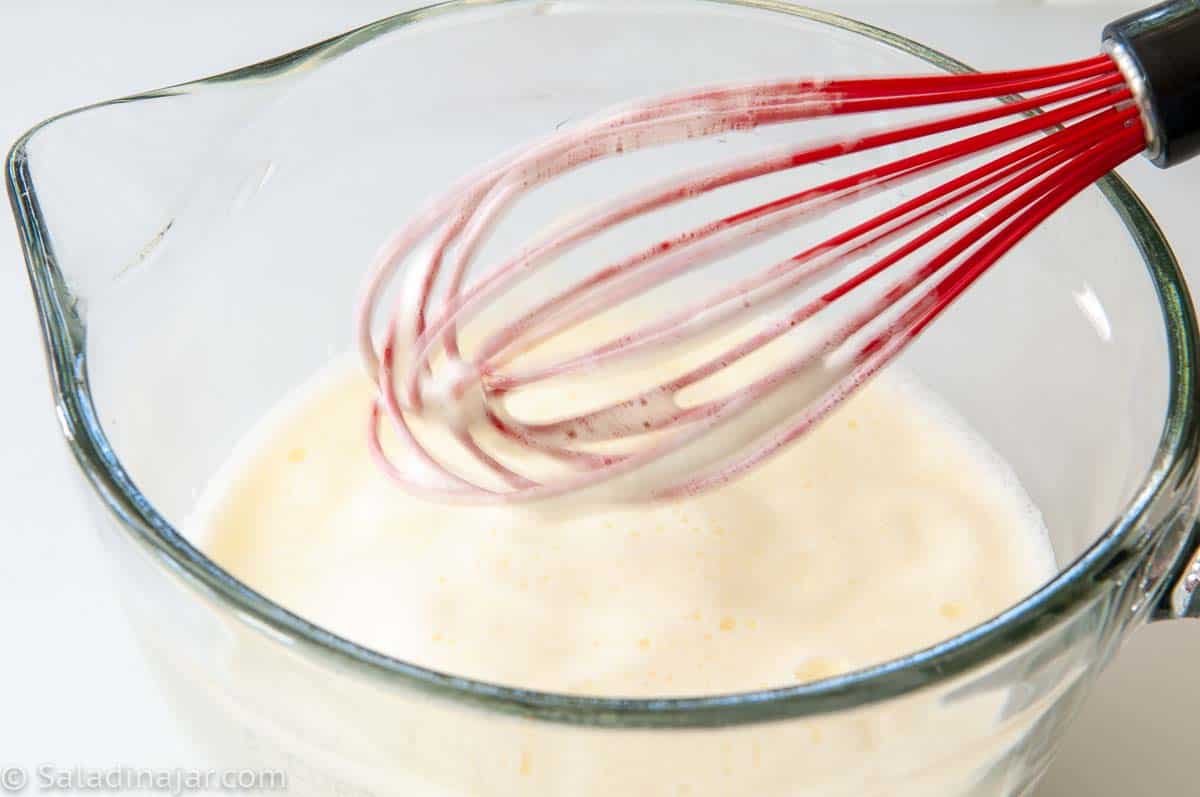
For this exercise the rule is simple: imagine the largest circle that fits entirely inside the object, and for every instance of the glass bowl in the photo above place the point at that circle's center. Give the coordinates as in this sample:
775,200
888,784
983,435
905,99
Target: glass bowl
194,252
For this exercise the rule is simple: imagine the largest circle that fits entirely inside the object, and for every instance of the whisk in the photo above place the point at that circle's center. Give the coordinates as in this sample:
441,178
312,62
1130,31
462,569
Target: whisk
1059,129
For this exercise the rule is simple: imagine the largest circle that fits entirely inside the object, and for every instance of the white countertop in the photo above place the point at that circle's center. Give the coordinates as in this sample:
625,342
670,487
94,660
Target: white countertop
73,689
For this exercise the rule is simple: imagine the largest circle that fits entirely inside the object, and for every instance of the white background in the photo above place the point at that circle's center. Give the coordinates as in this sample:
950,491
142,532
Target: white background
72,687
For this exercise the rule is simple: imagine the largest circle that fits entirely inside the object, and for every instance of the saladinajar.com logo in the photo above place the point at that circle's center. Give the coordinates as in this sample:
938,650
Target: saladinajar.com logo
116,780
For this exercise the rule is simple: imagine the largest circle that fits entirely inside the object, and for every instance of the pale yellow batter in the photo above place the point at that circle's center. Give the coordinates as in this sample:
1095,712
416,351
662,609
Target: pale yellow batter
885,530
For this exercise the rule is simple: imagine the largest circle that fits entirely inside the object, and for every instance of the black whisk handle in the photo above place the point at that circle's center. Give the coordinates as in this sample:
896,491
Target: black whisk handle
1159,51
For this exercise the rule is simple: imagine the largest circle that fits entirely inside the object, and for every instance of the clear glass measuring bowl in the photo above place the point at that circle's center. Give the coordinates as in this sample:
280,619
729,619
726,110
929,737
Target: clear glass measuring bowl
194,252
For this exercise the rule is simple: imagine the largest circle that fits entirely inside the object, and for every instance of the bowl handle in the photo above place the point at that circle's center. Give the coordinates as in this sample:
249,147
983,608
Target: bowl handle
1181,596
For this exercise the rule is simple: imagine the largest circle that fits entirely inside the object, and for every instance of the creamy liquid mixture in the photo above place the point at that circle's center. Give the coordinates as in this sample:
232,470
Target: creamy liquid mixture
888,528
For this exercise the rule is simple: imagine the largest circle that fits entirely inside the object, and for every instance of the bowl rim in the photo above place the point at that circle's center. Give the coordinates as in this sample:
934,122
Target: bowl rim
1172,469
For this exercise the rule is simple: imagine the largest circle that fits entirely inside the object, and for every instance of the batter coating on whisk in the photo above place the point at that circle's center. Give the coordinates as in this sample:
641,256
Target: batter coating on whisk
895,271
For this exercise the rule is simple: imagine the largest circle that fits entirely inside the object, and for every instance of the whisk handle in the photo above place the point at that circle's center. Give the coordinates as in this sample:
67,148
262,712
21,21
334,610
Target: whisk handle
1158,49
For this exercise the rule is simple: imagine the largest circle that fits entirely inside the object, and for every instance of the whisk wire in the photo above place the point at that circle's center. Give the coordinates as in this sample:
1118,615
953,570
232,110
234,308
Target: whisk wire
462,308
1089,123
843,190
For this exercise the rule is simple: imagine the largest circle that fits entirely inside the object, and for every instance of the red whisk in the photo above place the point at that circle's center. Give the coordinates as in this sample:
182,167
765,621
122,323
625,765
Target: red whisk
1070,125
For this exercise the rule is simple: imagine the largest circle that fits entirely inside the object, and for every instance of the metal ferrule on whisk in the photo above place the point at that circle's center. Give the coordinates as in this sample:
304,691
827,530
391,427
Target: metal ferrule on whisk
1137,86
